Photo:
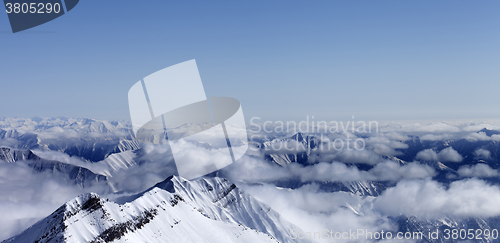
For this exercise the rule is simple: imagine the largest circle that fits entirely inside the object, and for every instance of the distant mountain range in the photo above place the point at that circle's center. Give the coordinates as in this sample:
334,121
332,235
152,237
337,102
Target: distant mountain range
67,173
90,139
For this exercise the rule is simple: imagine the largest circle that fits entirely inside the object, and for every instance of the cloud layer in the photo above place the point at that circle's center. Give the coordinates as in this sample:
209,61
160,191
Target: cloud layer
445,155
430,199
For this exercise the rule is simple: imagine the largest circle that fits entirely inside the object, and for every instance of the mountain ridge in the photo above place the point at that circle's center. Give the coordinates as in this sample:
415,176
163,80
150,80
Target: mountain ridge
162,216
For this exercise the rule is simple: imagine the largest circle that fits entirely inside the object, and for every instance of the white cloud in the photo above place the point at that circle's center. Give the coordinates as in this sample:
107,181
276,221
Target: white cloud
349,153
427,155
475,127
396,136
446,155
419,127
252,169
436,137
329,172
392,171
449,155
27,196
481,136
479,170
482,154
446,130
357,157
313,211
384,144
430,199
382,149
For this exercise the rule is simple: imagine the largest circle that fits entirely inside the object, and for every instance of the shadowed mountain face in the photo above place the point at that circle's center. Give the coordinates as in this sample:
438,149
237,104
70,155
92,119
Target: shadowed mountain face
304,143
204,210
67,173
73,174
489,132
13,155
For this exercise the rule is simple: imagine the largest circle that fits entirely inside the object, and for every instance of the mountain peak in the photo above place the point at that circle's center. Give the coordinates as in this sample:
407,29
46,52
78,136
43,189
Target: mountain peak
167,184
192,212
489,132
92,202
298,136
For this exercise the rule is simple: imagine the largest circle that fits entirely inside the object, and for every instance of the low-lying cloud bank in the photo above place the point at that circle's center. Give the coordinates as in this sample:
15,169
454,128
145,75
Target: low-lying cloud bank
429,199
255,169
27,196
478,170
313,210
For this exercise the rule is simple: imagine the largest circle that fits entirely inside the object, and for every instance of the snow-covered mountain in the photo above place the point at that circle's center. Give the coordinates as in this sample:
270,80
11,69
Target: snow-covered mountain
175,210
13,155
306,143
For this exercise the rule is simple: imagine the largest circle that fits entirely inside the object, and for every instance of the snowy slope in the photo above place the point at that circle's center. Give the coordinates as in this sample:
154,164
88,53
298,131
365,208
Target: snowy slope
118,161
175,210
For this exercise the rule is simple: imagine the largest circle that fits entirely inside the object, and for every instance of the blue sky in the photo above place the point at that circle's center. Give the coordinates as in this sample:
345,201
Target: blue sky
283,59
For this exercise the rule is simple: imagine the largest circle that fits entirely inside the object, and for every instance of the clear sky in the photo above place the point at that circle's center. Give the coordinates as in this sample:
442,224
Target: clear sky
283,59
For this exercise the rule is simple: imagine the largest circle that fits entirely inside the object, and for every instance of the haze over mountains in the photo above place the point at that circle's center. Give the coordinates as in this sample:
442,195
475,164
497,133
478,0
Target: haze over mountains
408,177
86,138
